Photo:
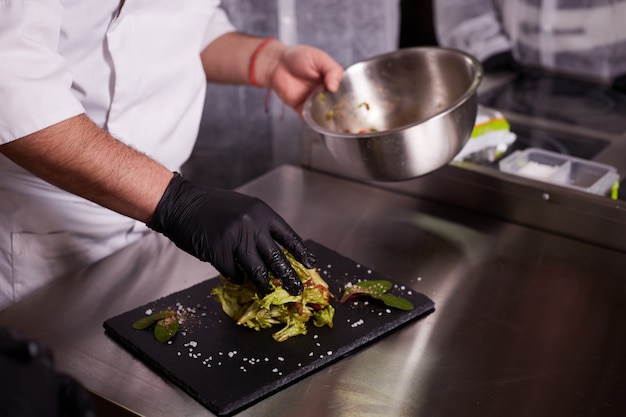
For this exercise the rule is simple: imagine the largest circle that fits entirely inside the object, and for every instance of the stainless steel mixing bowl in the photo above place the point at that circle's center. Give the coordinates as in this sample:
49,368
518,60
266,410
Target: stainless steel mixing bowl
399,115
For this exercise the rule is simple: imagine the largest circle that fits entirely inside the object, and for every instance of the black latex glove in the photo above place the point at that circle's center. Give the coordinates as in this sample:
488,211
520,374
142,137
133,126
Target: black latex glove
30,386
236,233
619,83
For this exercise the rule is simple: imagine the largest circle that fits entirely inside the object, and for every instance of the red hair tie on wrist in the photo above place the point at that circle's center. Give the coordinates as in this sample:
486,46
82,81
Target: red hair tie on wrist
253,61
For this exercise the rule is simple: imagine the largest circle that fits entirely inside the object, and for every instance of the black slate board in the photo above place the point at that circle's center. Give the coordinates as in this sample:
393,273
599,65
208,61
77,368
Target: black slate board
226,367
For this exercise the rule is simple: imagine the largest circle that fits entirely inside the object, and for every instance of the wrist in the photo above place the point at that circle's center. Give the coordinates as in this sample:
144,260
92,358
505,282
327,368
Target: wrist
264,61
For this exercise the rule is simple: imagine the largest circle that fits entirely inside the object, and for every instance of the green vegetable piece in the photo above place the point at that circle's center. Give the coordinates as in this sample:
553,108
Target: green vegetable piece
293,328
376,289
373,288
324,317
397,302
147,321
277,297
166,328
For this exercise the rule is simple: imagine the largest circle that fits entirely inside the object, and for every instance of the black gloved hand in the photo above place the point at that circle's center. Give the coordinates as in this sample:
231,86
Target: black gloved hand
236,233
30,386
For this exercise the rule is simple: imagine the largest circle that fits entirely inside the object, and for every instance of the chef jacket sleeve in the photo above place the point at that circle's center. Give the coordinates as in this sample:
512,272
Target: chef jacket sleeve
218,25
35,81
473,26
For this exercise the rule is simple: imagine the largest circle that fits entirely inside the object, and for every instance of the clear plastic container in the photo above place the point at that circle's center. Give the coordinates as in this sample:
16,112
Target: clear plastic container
561,169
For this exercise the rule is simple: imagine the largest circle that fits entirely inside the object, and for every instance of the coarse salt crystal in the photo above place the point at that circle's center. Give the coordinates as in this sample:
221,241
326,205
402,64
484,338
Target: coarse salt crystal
148,312
537,170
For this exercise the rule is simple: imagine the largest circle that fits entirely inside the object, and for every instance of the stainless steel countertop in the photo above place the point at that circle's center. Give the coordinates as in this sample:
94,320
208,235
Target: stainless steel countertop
527,323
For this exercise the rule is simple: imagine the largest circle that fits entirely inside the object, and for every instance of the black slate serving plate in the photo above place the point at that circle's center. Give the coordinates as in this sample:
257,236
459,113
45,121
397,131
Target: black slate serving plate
227,368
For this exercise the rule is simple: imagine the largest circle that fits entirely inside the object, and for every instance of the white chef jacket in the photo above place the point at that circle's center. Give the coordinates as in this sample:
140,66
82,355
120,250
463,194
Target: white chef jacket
583,38
135,71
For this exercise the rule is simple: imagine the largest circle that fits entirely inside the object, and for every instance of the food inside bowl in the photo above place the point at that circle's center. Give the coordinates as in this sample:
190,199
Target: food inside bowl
330,115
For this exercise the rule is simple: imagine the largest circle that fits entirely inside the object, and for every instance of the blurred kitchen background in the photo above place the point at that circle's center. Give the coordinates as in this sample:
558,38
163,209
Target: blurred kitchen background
242,134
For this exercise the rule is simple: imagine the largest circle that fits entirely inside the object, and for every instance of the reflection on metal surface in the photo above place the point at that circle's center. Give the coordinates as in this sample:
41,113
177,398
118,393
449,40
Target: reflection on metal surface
527,323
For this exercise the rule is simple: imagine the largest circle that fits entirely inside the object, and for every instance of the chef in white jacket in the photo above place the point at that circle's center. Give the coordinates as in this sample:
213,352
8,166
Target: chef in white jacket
581,38
100,104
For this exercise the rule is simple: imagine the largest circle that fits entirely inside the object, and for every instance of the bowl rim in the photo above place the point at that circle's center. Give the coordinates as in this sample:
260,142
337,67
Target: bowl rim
469,92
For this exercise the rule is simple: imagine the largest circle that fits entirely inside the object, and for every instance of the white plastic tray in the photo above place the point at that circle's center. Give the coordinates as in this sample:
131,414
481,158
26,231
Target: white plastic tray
561,169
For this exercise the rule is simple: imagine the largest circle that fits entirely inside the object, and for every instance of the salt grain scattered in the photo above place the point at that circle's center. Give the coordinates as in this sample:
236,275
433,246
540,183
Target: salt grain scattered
357,323
148,312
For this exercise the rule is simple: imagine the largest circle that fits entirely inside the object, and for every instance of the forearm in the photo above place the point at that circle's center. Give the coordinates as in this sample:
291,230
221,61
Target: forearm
227,59
79,157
